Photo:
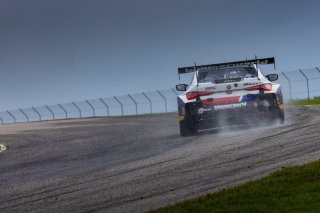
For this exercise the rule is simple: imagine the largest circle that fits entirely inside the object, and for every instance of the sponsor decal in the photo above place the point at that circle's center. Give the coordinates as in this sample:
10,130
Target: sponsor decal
230,106
210,88
249,97
225,100
226,65
250,84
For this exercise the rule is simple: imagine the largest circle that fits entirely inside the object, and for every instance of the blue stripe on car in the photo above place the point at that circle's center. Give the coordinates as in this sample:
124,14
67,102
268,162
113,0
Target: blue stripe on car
250,97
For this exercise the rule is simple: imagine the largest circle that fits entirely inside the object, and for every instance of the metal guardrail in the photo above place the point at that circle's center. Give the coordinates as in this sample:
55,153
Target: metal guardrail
295,85
302,83
160,101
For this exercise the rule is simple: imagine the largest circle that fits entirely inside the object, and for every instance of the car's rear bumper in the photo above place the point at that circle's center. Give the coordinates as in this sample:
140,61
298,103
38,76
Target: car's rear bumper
249,113
211,116
250,109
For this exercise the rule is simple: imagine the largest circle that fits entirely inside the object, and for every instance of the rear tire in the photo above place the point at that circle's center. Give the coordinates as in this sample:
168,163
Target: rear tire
272,114
279,113
188,127
278,116
281,116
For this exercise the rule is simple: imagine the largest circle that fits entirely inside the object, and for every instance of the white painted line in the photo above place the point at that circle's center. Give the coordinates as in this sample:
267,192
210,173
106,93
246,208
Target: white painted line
2,148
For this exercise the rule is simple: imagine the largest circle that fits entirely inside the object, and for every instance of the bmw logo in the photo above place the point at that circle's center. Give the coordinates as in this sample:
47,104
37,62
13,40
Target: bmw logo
228,86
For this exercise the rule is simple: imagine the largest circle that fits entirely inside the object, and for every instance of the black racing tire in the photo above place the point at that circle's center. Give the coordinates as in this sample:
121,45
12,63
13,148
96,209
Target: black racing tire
274,114
278,114
281,116
188,127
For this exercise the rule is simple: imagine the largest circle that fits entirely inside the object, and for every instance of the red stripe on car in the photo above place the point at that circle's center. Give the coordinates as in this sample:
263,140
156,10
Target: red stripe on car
226,100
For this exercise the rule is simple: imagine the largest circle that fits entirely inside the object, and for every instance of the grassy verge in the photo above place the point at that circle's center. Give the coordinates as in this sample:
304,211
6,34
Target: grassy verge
300,102
294,189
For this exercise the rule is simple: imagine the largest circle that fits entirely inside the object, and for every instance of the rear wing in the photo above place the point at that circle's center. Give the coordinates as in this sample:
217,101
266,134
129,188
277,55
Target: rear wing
262,61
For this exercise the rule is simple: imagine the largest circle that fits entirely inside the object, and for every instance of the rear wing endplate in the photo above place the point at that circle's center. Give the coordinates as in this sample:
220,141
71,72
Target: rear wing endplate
262,61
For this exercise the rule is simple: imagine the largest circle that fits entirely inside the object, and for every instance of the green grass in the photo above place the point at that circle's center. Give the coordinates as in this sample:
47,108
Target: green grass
299,102
294,189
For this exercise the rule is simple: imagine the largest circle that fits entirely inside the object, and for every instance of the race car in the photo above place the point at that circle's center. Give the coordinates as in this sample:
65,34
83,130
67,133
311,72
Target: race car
227,94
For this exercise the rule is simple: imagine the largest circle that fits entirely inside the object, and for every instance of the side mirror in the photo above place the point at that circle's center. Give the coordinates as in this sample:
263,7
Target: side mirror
272,77
181,87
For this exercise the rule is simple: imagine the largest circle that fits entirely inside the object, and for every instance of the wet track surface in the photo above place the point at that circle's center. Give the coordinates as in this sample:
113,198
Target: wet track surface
134,164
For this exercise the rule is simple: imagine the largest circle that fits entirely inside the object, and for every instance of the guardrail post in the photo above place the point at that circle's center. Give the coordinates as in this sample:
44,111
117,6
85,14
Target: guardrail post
34,109
106,105
135,103
14,118
1,120
164,98
93,109
77,109
120,104
25,115
307,83
65,111
290,88
50,110
150,103
174,91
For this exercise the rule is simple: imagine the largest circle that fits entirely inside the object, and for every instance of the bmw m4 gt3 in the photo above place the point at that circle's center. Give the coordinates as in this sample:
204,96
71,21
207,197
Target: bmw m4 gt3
227,94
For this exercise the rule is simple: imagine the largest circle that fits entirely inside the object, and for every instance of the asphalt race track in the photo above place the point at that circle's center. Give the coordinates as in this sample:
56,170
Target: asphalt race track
134,164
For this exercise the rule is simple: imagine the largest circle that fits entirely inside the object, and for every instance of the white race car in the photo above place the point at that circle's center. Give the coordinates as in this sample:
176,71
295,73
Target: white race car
233,93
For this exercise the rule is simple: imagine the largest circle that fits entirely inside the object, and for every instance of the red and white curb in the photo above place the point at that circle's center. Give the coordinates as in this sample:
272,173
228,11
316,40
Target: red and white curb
2,148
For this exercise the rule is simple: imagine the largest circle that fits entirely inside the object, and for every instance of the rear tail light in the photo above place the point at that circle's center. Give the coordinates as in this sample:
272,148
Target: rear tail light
193,95
266,87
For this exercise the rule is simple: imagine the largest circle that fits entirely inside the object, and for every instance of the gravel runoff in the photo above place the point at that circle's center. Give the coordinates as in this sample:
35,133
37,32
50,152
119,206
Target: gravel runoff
134,164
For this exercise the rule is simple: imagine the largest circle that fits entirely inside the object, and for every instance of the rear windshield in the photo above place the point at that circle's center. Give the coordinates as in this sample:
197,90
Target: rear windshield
225,75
